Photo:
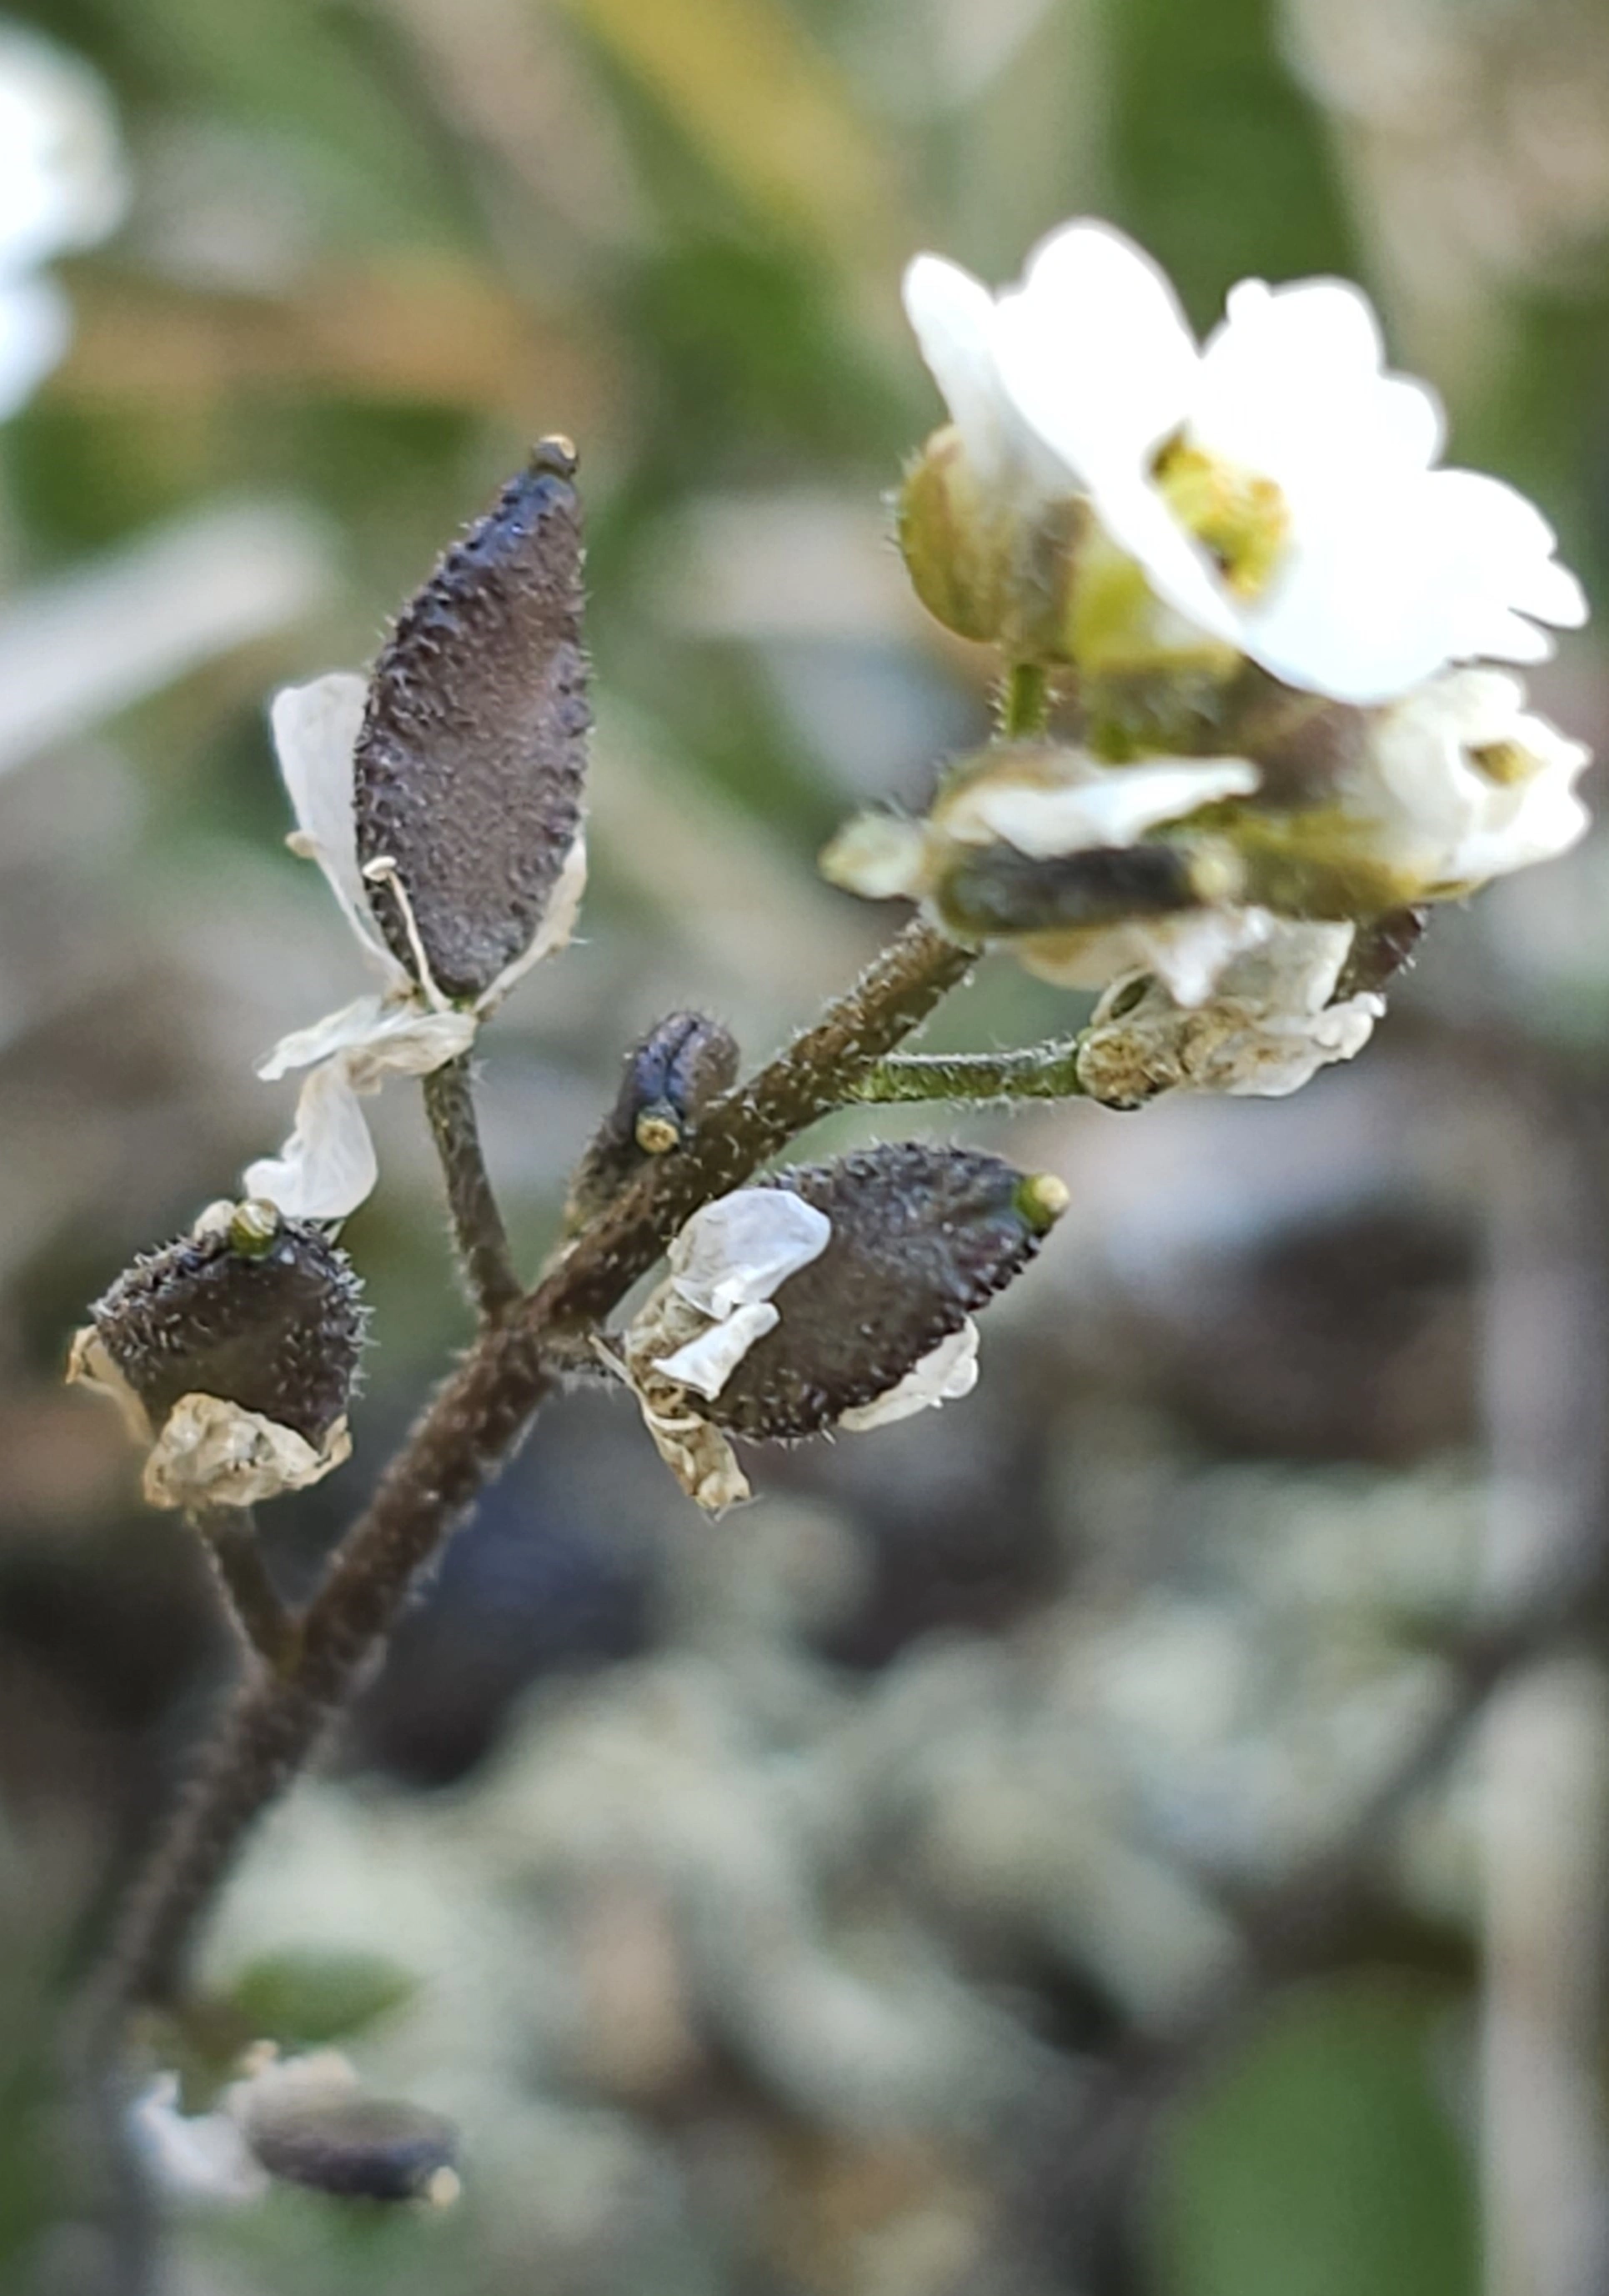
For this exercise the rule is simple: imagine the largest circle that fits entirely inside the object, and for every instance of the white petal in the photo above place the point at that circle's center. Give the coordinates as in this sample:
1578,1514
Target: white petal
1186,953
376,1038
191,2155
554,933
949,1373
1292,379
328,1166
738,1250
62,178
707,1362
1094,350
35,324
315,730
1114,806
953,316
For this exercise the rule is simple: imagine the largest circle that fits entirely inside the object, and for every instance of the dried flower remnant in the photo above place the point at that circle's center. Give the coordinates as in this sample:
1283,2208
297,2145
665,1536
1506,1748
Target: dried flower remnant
1272,495
830,1295
1273,1020
233,1355
442,800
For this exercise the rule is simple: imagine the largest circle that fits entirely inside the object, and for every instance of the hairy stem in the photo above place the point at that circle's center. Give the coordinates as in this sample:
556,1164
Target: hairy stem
229,1537
1037,1073
464,1435
482,1239
1023,707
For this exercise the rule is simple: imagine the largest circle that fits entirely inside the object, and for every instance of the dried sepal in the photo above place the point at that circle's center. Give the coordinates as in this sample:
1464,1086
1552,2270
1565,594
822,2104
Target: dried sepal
473,753
232,1354
671,1074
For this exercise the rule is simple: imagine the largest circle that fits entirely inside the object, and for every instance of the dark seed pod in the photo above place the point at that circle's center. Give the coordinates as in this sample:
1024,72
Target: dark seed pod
682,1064
470,765
264,1312
1381,949
922,1237
355,2147
993,888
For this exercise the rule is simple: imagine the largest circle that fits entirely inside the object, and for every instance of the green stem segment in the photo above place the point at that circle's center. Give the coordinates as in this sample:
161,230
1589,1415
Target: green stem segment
482,1239
1036,1072
464,1435
1023,706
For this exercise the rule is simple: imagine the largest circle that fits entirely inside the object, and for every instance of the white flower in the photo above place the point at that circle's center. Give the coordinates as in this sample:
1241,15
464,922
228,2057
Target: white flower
327,1166
1276,486
61,186
1188,952
192,2156
1464,783
726,1266
1267,1028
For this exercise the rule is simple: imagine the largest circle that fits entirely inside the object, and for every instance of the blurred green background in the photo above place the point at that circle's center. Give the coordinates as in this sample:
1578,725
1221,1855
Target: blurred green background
770,1900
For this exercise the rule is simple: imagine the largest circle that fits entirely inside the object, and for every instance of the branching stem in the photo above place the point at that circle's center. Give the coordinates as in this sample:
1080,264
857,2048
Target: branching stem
464,1435
1037,1073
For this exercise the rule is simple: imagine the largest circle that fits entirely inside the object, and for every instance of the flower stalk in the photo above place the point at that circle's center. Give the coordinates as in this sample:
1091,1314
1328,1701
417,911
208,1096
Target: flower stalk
478,1227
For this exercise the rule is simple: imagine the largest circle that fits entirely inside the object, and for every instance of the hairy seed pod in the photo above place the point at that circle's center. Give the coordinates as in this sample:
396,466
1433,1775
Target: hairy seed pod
260,1311
470,765
922,1237
674,1071
995,889
355,2147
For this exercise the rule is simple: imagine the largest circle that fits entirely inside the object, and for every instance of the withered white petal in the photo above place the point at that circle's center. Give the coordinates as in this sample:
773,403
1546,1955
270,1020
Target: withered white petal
315,730
557,925
200,2156
377,1038
1112,805
947,1373
737,1249
328,1166
212,1453
705,1364
1187,952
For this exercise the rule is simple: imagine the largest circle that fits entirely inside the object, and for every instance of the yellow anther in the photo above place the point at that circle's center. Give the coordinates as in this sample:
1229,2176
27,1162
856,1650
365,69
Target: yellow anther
1244,520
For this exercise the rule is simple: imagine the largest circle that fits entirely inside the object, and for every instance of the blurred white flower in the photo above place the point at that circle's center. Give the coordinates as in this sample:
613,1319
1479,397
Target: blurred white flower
1276,486
408,1027
192,2156
61,186
1266,1029
1466,784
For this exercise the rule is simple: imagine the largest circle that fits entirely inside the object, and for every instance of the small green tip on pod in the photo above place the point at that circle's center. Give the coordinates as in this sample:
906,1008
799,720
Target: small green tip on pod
254,1228
1041,1199
554,456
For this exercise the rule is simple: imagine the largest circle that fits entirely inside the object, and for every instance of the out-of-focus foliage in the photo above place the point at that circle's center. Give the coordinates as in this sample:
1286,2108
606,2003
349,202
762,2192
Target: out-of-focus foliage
797,1875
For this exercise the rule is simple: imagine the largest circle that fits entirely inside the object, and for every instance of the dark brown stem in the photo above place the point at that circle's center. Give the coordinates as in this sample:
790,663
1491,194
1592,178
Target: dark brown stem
228,1536
467,1433
482,1240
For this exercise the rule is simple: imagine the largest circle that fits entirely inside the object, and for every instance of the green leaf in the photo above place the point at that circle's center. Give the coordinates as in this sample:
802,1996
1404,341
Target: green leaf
308,1997
1320,2161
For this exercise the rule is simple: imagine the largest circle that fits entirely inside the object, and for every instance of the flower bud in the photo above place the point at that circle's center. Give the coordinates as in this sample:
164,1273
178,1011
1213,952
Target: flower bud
988,568
233,1353
470,764
835,1294
306,2121
674,1071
